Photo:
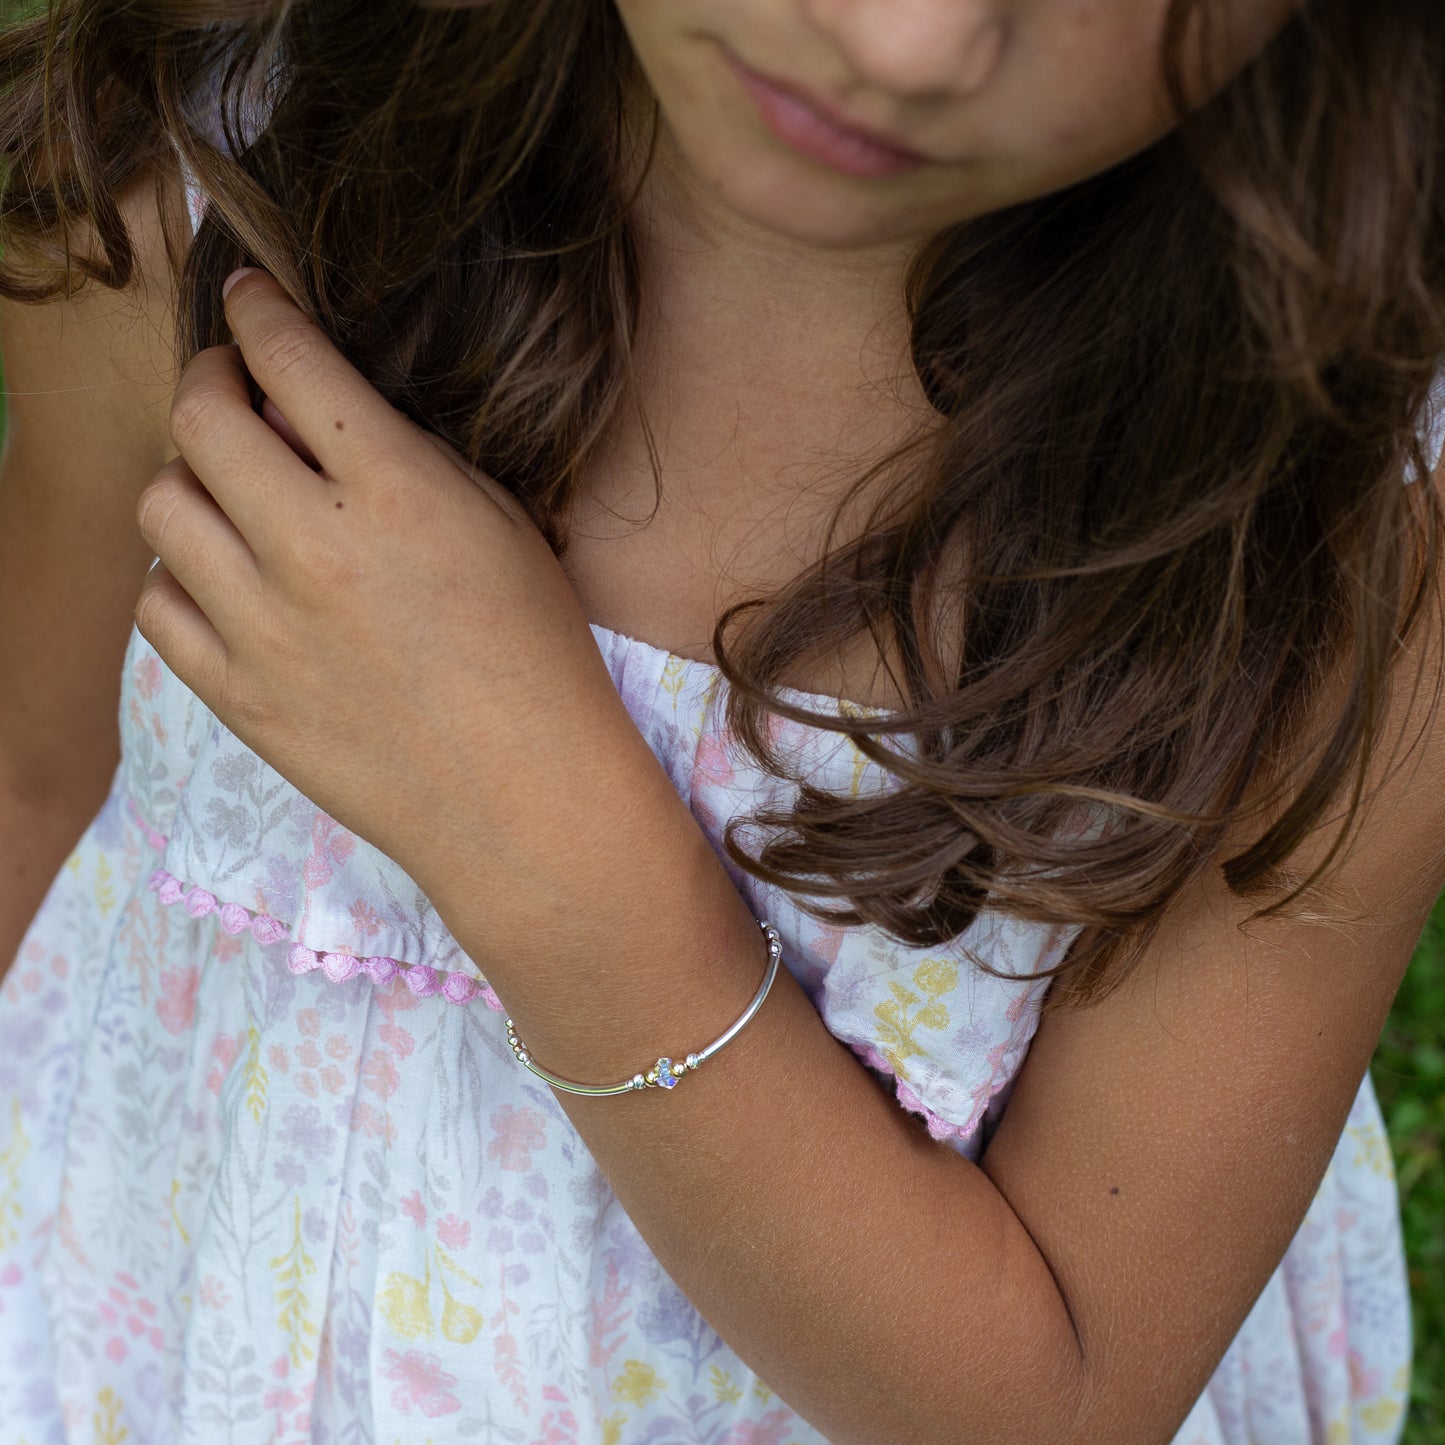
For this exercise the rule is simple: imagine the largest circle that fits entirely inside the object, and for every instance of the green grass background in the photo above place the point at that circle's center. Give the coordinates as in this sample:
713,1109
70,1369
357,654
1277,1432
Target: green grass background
1409,1071
1409,1074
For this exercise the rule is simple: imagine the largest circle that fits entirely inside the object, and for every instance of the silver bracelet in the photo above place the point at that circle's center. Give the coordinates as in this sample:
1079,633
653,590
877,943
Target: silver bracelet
664,1073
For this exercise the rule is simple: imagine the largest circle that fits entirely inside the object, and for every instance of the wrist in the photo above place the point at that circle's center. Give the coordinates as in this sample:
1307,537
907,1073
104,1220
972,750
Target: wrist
668,1070
600,989
577,870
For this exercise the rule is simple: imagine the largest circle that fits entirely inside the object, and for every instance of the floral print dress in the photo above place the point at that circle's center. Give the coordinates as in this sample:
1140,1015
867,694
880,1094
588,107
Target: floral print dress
269,1172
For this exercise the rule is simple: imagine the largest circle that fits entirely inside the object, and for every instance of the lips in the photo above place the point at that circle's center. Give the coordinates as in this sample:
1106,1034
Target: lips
808,125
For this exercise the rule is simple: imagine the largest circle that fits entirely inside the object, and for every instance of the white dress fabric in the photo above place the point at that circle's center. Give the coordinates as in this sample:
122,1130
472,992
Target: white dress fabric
269,1172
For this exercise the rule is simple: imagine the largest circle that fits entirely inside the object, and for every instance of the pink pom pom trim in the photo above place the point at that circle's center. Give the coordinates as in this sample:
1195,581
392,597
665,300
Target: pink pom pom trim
380,970
234,918
301,959
199,903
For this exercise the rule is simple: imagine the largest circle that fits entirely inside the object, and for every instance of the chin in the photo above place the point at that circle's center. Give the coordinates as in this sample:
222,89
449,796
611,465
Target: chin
815,208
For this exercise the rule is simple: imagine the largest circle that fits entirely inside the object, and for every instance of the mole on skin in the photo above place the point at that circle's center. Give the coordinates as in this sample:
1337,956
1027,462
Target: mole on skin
340,426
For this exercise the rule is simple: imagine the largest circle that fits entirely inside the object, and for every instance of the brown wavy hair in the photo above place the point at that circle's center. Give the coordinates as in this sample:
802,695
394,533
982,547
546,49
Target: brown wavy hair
1178,401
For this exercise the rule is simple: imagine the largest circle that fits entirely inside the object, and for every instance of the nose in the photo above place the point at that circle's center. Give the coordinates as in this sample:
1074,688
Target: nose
916,47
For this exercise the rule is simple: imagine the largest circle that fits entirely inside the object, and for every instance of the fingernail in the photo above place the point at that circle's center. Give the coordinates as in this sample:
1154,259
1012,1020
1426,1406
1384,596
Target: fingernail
233,278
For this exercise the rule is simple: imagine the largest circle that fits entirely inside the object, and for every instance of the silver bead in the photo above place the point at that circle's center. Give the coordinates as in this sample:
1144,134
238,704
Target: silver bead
523,1056
638,1082
692,1061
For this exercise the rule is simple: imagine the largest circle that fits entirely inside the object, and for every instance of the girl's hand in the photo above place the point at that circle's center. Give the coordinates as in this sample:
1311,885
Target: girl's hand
389,631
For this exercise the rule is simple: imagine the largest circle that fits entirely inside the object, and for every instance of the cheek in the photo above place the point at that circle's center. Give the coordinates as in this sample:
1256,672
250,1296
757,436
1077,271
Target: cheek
1096,93
657,27
1101,79
647,23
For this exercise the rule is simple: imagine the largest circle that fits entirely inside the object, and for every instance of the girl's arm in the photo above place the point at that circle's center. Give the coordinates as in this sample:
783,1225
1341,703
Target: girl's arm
1156,1157
1159,1149
87,382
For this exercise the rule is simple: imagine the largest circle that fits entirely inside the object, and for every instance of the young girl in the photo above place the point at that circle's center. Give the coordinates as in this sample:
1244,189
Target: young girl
1052,378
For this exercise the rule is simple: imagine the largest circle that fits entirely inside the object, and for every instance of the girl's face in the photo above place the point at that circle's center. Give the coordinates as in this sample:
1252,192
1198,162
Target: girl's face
846,123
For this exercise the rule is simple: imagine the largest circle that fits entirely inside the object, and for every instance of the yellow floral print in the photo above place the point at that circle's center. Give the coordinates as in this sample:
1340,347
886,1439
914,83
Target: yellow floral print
292,1268
638,1383
1372,1149
108,1429
860,762
104,893
905,1013
723,1387
12,1156
1380,1414
672,678
406,1303
461,1322
255,1076
175,1213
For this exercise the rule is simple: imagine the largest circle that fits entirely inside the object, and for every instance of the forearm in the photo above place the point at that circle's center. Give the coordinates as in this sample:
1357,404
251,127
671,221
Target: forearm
875,1278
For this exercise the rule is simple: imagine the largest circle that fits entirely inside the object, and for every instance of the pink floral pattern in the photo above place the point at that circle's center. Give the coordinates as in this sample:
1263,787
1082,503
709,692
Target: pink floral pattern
422,1385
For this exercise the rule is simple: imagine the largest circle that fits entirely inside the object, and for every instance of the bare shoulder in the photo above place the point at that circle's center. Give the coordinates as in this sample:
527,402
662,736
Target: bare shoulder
1163,1145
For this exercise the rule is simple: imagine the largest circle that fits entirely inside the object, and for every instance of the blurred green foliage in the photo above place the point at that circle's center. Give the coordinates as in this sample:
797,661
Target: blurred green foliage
1409,1072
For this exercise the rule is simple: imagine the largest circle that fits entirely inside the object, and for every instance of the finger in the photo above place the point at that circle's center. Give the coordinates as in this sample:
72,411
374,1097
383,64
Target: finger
271,415
255,477
167,617
199,546
351,429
